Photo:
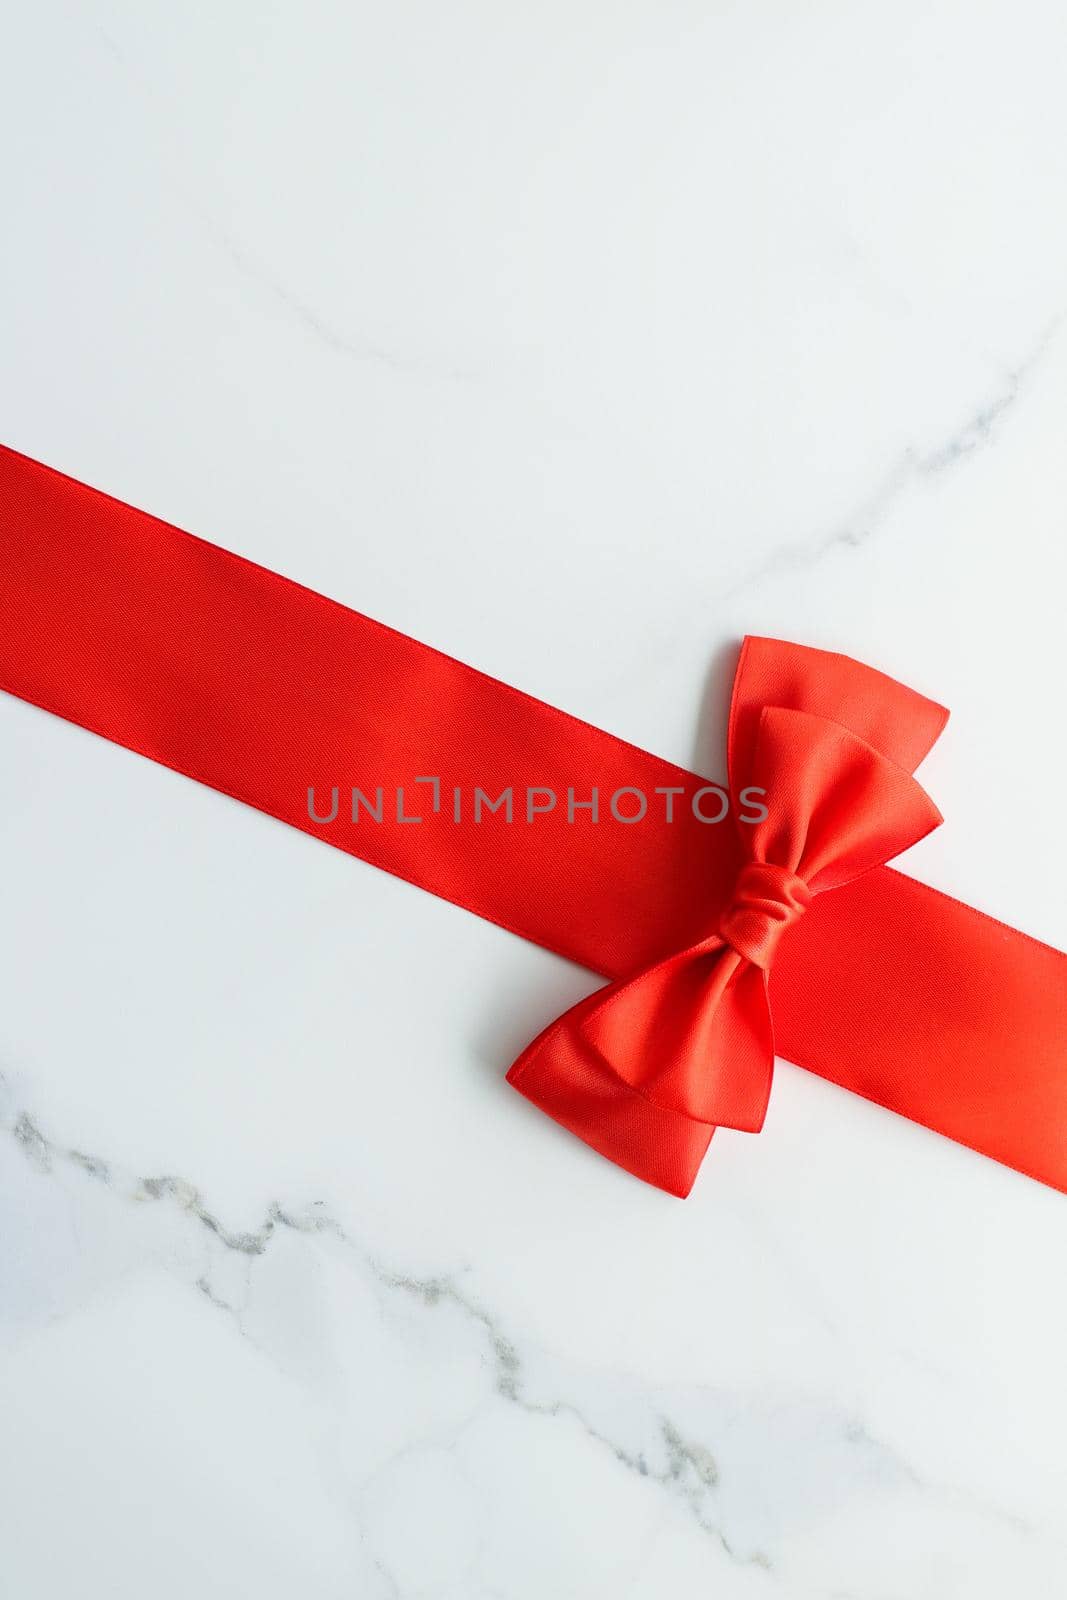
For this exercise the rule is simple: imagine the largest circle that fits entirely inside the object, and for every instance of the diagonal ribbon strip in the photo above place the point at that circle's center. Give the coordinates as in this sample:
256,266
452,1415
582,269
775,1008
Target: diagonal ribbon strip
260,688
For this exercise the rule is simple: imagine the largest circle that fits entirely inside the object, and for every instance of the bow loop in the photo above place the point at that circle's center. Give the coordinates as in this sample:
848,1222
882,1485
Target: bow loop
836,806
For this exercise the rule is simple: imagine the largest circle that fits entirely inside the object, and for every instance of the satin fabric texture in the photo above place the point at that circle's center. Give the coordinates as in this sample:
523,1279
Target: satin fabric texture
720,944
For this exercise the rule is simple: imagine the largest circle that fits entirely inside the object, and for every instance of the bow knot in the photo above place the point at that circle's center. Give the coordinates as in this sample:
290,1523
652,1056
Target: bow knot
767,899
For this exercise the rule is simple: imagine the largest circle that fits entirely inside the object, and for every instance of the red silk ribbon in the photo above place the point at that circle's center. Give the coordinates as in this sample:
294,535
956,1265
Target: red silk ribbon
261,688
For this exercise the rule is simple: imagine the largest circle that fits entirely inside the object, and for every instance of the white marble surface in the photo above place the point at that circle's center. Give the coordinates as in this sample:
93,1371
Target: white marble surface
576,338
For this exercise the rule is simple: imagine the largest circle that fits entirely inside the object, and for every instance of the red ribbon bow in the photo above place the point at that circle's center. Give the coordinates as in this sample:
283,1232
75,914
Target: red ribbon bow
692,1035
250,683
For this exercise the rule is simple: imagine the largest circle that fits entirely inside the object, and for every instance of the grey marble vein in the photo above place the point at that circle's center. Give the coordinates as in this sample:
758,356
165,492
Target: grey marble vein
324,330
670,1456
976,430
